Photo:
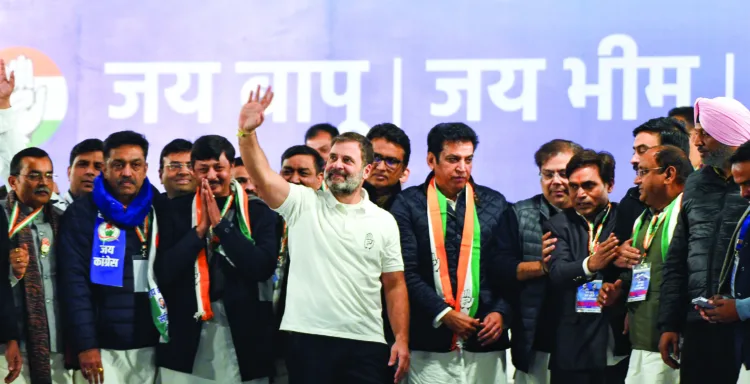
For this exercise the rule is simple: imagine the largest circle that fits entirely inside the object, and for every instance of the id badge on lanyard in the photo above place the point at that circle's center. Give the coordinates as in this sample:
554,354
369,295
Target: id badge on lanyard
641,280
586,297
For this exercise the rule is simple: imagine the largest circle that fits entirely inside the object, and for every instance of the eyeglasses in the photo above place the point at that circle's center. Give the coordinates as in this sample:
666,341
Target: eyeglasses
176,166
641,149
640,172
391,162
37,176
550,174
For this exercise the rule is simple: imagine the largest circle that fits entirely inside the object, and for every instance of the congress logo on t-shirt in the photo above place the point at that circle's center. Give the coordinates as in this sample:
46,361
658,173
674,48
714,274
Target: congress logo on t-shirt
369,241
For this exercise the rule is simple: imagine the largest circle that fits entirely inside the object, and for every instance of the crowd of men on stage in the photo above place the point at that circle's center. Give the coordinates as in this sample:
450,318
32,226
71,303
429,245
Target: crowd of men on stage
329,272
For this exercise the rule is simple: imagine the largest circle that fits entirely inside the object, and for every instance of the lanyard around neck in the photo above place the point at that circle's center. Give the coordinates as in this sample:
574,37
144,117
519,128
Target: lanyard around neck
16,227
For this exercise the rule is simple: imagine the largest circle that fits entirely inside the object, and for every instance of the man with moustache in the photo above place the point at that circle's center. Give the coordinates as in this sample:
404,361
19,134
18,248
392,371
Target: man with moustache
654,132
86,163
711,207
524,258
216,258
686,115
661,177
589,345
107,244
32,235
174,169
239,173
732,305
300,165
319,137
447,227
392,151
338,237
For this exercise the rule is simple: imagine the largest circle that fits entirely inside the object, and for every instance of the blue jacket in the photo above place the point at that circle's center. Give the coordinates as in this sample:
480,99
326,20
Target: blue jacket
97,316
410,211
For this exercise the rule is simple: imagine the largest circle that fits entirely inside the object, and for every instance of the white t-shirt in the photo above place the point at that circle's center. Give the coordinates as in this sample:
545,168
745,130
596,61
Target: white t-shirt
337,253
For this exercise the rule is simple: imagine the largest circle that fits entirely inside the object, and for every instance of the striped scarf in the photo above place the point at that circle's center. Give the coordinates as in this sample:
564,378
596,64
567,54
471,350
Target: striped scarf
37,326
239,198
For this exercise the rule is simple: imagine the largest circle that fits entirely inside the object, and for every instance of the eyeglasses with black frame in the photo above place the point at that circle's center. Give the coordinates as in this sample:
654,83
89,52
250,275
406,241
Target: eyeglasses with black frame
391,162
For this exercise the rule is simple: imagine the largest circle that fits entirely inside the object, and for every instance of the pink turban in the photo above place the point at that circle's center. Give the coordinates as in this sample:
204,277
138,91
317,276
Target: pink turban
725,119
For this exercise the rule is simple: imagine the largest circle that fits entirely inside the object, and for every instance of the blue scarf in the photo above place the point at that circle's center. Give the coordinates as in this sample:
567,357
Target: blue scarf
115,212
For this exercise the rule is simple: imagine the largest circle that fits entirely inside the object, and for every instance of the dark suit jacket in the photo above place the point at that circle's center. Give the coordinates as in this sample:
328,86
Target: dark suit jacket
8,324
250,320
581,342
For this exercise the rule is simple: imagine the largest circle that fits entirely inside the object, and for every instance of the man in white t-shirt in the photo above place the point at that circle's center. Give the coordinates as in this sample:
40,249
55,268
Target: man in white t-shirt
342,246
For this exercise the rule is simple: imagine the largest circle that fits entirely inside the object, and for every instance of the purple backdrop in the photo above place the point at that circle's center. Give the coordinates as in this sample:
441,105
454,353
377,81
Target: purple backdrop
516,68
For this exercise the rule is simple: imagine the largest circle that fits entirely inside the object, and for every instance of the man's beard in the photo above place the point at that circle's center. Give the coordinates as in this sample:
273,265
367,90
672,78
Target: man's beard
346,187
719,157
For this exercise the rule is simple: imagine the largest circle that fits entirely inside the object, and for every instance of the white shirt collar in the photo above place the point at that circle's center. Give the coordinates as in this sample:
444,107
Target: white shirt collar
332,202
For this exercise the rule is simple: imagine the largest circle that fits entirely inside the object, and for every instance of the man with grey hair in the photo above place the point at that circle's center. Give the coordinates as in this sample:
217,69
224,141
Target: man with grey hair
524,257
711,207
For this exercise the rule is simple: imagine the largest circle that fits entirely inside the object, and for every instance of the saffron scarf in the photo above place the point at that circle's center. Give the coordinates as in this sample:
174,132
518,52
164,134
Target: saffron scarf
668,217
239,198
468,258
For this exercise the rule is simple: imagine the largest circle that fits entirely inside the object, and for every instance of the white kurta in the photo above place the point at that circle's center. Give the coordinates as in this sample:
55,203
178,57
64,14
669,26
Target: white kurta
744,375
57,364
125,367
14,136
648,367
457,367
216,359
538,370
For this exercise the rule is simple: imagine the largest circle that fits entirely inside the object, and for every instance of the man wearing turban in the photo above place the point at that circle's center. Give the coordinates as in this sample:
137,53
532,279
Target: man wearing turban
711,207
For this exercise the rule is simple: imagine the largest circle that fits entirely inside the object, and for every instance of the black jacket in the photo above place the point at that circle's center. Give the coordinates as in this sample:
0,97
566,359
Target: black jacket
8,323
711,207
628,210
386,202
98,316
741,288
410,211
250,320
581,342
521,241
